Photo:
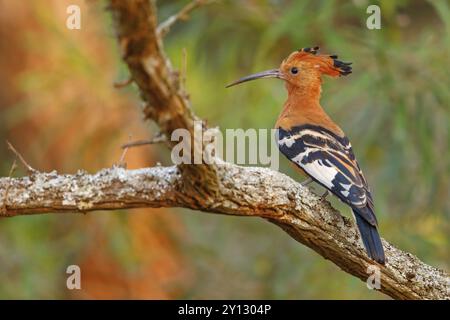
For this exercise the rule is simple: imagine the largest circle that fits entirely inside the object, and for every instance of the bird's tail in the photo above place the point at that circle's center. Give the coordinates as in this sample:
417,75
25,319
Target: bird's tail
371,239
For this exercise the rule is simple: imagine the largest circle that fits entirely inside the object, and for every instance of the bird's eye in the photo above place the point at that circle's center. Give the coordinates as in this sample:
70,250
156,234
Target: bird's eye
294,70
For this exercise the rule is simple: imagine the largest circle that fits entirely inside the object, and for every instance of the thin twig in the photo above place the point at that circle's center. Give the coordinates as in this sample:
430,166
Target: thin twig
122,162
183,14
160,138
183,75
4,208
22,160
122,158
183,72
124,83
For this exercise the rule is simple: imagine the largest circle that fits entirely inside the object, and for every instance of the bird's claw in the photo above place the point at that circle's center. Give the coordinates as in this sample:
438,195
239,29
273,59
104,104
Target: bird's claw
325,194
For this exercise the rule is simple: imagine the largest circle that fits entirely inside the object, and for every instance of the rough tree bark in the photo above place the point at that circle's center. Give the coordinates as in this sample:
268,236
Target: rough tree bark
220,188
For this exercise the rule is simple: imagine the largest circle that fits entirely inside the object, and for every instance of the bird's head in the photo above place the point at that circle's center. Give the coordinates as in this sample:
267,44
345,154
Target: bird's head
303,68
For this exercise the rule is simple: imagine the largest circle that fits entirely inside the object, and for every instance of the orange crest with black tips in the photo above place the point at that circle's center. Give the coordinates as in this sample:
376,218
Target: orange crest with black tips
327,64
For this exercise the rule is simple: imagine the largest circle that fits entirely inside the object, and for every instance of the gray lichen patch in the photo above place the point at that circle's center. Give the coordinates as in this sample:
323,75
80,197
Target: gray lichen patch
83,190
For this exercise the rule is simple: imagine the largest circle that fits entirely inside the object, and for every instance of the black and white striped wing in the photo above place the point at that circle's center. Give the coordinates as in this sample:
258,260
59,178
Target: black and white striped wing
329,160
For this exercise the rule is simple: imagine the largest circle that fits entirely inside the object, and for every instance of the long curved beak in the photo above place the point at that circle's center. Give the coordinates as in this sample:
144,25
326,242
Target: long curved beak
274,73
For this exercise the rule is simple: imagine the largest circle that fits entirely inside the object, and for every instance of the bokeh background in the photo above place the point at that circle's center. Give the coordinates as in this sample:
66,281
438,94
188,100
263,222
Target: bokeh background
58,107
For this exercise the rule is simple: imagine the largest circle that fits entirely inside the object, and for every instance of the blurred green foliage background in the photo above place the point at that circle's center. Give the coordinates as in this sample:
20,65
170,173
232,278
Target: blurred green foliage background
58,106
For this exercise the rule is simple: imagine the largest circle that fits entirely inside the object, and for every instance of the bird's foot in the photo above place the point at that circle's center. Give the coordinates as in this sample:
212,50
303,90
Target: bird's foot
306,182
324,195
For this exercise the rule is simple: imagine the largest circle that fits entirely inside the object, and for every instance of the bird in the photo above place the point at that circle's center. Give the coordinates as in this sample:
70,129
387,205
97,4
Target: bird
315,144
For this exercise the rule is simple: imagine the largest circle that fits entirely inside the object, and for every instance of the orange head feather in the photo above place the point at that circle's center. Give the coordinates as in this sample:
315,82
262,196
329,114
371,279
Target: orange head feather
304,68
309,60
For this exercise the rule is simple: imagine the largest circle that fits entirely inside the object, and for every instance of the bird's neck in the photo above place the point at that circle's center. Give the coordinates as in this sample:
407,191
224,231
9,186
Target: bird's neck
309,91
303,107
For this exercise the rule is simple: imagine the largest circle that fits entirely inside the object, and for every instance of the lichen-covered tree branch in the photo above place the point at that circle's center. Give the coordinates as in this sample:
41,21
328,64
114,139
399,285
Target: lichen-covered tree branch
215,188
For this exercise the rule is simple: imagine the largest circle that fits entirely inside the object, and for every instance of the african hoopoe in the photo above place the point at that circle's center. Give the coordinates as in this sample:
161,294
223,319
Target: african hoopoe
314,143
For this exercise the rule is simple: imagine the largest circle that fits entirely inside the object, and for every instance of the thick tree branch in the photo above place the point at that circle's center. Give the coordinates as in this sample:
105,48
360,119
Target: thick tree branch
161,90
243,191
142,51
